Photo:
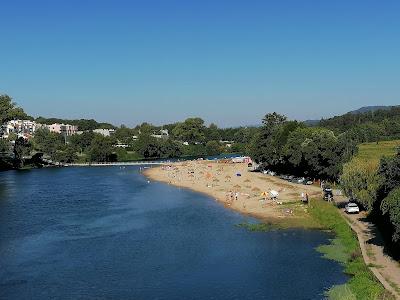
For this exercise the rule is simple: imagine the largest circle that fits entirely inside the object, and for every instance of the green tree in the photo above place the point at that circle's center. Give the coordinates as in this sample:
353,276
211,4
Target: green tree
389,169
101,149
22,148
145,129
148,146
47,142
213,148
170,149
212,133
360,180
4,145
191,131
9,110
271,121
268,144
67,154
82,141
12,136
391,206
124,135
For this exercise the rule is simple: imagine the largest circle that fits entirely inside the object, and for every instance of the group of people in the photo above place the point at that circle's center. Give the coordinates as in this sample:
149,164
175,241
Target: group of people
231,196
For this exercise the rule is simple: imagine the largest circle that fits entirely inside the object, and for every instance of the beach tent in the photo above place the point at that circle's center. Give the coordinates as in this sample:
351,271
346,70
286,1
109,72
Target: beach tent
274,194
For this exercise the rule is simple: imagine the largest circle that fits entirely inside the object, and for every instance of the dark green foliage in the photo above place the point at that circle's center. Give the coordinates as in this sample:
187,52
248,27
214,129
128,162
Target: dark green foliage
4,146
9,110
194,150
192,130
82,141
48,142
369,126
151,147
213,148
145,129
21,148
124,135
83,124
101,150
212,133
389,169
391,206
66,154
289,145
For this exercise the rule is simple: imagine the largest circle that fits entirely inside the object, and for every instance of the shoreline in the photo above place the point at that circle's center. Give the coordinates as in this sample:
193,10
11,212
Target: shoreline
236,188
196,177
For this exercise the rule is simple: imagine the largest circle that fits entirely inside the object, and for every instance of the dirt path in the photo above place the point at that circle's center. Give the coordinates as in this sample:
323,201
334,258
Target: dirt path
371,242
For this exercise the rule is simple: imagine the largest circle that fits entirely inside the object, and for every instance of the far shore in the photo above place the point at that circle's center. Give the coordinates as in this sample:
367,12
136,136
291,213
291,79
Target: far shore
233,185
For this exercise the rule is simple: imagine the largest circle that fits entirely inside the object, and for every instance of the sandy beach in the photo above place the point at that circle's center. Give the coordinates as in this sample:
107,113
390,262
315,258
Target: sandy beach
237,188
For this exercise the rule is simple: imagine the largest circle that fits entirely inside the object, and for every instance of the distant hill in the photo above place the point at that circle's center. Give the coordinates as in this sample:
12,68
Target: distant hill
367,109
365,115
311,123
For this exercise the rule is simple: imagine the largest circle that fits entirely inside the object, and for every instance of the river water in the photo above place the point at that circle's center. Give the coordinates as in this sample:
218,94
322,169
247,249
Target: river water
106,233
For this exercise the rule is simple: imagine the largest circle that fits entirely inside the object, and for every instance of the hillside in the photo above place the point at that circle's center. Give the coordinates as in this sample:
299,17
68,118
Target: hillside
362,110
388,119
374,151
367,109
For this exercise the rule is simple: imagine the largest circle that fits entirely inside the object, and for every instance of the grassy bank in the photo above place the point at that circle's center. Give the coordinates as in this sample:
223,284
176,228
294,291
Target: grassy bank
345,249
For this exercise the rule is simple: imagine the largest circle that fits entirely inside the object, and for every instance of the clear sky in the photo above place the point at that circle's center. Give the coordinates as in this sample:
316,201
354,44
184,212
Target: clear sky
227,61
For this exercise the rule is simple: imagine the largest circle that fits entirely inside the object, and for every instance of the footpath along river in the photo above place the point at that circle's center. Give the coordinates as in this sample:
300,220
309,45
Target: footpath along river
106,233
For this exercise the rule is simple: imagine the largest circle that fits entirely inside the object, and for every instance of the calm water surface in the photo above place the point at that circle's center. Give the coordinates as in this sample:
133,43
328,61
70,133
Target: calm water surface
105,233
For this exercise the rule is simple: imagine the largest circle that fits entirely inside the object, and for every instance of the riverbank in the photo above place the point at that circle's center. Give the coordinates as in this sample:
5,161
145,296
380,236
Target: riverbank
222,180
243,191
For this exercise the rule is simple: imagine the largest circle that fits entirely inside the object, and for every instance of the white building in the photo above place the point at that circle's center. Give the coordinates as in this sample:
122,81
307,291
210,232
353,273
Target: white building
22,128
64,129
104,132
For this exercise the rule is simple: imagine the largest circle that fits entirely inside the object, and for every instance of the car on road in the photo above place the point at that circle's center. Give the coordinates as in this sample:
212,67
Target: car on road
328,194
351,208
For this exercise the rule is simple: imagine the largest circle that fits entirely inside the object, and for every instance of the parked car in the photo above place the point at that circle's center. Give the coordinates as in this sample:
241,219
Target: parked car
309,182
328,194
352,208
301,180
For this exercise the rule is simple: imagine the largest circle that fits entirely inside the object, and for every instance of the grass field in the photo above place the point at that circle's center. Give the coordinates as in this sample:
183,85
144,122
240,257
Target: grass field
374,151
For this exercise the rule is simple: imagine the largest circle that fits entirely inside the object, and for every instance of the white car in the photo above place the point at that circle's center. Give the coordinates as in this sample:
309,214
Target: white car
351,208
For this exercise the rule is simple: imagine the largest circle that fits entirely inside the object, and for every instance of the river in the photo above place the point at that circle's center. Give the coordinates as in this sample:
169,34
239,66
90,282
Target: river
107,233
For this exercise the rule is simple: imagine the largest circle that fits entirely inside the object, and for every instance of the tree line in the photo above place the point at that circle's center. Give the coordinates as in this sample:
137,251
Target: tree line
376,186
188,138
372,126
292,147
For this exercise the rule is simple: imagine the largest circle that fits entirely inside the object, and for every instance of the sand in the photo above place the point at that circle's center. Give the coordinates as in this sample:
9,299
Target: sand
220,180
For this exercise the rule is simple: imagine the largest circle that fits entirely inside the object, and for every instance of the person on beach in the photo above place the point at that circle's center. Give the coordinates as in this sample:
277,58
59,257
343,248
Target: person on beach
236,196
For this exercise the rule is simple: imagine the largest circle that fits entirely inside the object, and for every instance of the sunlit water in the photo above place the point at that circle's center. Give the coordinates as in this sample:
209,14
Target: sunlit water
105,233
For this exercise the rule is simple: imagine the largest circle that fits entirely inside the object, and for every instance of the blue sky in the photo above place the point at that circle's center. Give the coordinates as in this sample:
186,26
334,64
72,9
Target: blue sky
227,61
